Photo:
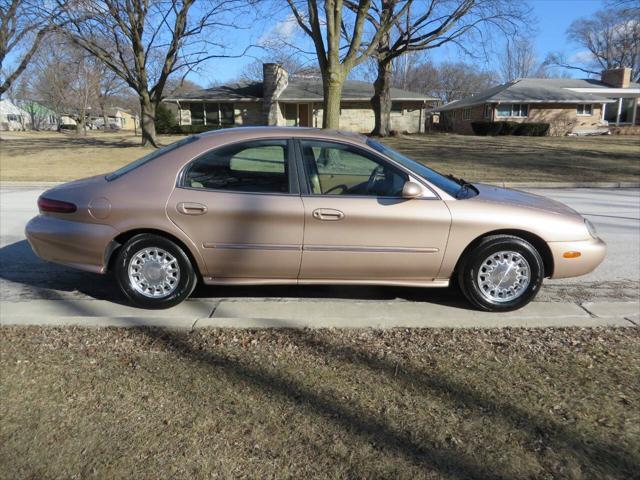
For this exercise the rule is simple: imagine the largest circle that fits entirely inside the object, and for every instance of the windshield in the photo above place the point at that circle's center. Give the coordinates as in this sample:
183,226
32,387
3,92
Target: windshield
149,156
446,184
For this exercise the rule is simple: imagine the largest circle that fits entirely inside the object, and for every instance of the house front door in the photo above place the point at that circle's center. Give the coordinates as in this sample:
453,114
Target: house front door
304,117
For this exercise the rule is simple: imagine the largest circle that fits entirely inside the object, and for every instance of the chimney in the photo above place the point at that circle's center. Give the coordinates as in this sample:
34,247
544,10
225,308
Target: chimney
274,80
617,77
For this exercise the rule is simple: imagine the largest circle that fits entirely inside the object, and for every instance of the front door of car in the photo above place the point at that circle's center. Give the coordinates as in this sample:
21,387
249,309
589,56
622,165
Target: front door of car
241,205
357,225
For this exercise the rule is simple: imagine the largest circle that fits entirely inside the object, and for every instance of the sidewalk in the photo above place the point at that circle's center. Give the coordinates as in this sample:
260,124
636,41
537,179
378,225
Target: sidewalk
315,314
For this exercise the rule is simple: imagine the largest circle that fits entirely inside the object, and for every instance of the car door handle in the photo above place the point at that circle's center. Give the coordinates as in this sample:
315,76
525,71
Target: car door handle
327,214
188,208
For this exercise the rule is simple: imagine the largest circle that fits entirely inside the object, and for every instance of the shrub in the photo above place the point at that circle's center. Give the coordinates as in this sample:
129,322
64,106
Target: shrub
165,119
509,128
532,129
486,128
193,129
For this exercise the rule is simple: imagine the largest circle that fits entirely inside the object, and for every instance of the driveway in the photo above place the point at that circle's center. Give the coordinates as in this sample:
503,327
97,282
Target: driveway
36,292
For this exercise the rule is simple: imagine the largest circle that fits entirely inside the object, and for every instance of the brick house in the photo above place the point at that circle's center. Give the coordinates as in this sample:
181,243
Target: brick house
294,101
568,105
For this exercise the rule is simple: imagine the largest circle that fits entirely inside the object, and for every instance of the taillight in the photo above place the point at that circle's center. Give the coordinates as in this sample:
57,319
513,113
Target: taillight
55,206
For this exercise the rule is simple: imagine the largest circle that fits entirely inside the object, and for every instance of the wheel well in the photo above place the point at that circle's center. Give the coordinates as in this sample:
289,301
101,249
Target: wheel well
124,237
538,243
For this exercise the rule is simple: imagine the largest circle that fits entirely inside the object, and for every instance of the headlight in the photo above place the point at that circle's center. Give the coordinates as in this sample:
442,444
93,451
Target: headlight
591,228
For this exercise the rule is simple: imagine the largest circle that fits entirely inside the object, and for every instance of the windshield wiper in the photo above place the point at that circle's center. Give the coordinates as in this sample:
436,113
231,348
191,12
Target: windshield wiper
463,184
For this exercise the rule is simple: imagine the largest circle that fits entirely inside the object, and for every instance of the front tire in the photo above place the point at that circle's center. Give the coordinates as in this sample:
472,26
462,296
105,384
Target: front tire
502,273
153,272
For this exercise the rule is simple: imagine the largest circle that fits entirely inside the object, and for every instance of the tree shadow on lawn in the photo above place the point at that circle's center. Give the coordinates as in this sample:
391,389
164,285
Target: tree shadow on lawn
413,445
45,280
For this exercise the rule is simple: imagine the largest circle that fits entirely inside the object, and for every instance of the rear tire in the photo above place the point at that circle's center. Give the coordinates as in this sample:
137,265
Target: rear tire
502,273
153,272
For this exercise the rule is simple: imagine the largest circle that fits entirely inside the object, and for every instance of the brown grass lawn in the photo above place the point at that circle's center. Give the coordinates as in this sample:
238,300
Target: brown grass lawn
51,156
399,404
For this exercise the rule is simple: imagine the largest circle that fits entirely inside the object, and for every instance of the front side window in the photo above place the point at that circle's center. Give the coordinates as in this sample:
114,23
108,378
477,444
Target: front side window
487,111
584,109
466,114
512,110
257,167
337,169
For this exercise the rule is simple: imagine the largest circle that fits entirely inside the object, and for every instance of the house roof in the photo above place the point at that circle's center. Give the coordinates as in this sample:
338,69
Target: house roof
536,90
298,89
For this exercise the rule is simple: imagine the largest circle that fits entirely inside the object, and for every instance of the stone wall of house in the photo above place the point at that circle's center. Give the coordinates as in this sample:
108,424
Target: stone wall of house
359,117
562,118
248,113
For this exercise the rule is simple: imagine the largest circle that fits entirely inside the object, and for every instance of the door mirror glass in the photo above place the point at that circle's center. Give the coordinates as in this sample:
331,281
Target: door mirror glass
411,190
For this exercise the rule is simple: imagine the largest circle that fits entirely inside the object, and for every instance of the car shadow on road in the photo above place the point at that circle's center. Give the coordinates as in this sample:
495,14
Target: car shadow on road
44,280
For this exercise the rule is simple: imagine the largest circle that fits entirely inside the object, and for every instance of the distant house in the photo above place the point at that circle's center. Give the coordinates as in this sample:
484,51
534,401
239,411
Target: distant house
117,119
40,117
13,117
294,101
568,105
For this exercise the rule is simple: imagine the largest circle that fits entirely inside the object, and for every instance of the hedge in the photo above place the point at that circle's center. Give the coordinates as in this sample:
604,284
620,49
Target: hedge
486,128
510,128
532,129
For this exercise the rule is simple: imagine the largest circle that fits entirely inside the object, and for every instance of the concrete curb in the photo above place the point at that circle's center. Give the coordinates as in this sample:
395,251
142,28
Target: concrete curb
12,184
256,314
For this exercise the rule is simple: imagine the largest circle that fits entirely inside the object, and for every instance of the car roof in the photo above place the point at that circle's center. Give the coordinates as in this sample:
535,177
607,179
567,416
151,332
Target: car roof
248,133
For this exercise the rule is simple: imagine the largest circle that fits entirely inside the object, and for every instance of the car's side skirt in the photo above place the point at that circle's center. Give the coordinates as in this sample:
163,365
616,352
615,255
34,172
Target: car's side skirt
437,282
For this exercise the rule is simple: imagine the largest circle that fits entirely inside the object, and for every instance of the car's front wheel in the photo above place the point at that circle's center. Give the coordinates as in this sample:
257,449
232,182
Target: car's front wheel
154,272
501,273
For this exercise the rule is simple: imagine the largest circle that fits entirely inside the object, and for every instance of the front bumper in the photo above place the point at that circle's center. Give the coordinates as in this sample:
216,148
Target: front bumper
592,253
75,244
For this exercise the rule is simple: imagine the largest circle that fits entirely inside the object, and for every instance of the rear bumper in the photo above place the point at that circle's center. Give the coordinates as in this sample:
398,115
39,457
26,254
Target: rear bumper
75,244
592,253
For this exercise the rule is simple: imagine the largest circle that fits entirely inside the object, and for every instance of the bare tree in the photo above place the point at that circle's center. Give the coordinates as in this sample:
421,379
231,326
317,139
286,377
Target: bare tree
611,38
448,81
292,64
144,42
68,80
341,41
22,27
430,24
519,60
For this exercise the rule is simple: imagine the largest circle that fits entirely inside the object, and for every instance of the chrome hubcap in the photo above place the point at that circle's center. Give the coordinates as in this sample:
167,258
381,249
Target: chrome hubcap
154,272
504,276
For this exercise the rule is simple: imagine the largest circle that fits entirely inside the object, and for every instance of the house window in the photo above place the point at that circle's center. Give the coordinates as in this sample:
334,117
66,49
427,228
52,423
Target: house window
466,114
513,110
487,110
584,109
290,114
397,107
211,114
14,118
197,113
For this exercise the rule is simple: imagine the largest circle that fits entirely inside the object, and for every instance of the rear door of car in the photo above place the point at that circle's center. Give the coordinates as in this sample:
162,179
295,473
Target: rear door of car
241,205
357,225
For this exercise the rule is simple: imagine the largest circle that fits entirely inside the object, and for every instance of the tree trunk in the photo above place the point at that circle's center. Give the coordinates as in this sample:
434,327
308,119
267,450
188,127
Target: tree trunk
148,121
381,101
332,89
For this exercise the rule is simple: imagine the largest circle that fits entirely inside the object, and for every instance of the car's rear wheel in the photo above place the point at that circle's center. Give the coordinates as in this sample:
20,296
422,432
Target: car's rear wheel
501,273
154,272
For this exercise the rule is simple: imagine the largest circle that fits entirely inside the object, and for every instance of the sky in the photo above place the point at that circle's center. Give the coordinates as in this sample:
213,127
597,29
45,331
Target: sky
553,18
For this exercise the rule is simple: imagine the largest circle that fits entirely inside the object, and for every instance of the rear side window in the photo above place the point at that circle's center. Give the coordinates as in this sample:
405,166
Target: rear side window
149,157
258,167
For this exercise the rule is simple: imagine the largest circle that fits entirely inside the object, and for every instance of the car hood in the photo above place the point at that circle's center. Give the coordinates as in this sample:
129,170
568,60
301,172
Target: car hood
518,198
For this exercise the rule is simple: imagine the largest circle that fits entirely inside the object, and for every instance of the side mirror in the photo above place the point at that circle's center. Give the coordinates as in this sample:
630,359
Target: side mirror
411,190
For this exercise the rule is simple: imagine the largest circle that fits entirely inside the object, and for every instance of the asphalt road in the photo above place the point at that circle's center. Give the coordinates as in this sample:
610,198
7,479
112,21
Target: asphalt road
26,282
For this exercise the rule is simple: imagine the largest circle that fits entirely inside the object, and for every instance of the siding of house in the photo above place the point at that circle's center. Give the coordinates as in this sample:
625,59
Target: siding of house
359,117
563,118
